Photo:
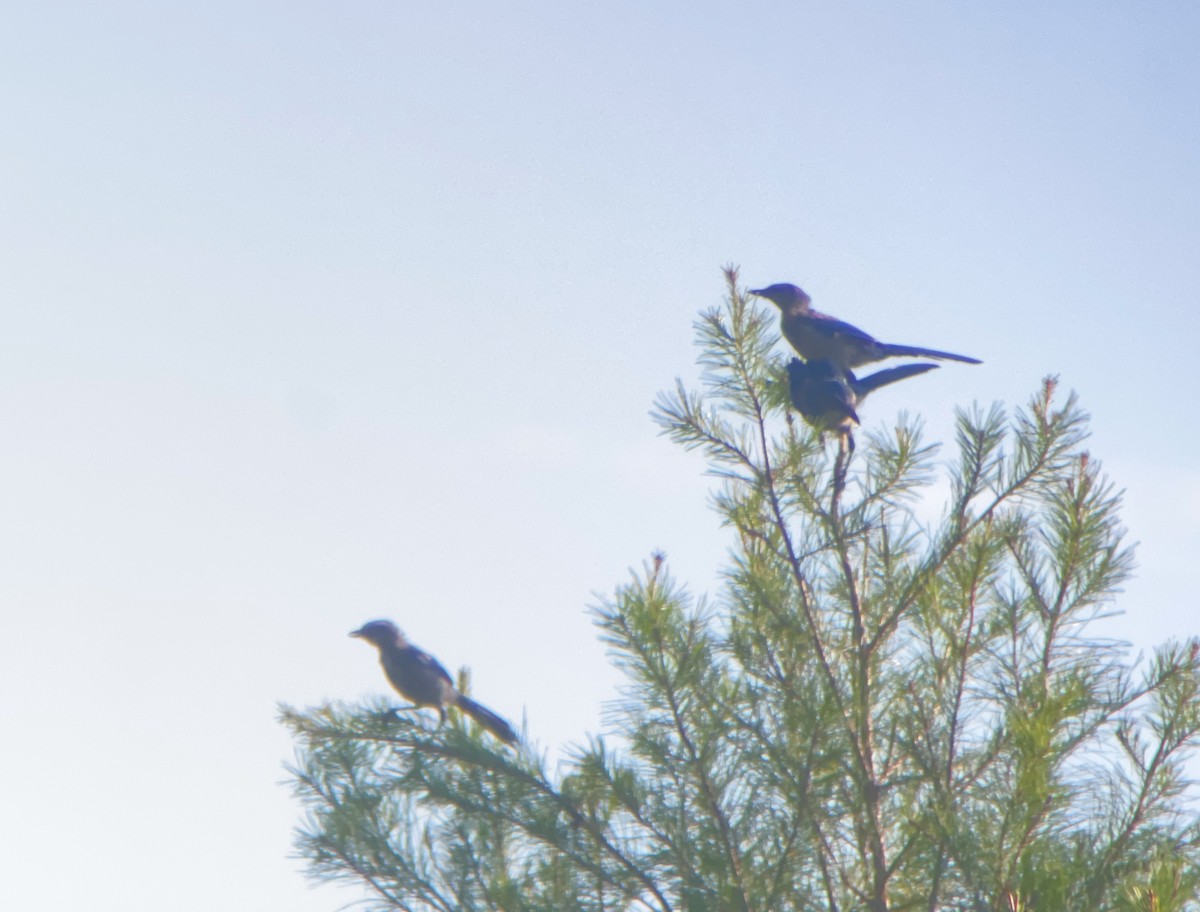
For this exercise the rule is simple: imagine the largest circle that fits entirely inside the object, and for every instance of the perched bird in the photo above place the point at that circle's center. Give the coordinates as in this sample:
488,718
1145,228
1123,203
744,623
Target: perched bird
820,337
421,678
828,397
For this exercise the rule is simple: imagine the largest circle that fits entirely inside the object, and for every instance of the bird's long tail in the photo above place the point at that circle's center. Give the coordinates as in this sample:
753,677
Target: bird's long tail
911,351
889,375
487,719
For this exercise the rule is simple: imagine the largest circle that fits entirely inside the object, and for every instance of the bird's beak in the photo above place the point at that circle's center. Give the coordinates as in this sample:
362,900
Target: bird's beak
757,291
356,633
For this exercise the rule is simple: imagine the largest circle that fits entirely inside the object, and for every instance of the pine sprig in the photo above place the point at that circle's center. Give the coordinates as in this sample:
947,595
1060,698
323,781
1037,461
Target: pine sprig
873,712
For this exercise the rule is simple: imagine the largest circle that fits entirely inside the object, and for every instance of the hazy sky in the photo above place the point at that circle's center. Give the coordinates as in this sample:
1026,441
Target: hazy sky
322,313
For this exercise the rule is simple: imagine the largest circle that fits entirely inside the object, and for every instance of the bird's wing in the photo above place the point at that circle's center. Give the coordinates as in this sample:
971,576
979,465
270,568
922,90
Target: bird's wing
837,402
832,326
427,661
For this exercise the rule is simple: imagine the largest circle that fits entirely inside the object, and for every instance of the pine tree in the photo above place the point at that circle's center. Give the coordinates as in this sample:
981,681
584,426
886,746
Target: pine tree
875,713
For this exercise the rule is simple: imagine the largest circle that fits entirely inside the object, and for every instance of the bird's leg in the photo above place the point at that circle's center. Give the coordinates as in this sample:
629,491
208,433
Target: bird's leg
841,463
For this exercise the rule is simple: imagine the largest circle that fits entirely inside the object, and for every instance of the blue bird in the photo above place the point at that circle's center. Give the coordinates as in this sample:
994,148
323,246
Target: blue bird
827,397
420,677
820,337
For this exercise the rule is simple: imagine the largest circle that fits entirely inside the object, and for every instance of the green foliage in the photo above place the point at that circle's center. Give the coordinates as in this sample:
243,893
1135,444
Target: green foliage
877,712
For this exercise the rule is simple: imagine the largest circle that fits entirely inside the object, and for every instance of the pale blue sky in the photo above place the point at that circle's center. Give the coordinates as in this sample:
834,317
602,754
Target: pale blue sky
316,314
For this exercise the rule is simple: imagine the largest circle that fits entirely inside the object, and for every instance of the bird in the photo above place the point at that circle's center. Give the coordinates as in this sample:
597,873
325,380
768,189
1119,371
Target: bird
420,677
820,337
827,397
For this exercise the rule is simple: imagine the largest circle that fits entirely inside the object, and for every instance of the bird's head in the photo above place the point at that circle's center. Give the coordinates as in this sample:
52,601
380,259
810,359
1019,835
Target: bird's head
817,371
783,294
379,633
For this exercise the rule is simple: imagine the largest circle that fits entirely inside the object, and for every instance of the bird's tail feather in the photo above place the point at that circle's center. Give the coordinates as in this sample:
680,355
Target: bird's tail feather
487,719
889,375
911,351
